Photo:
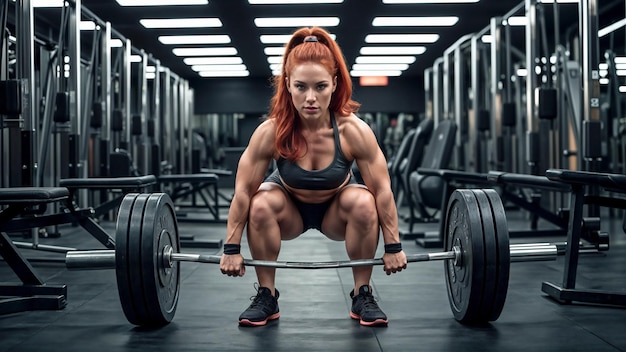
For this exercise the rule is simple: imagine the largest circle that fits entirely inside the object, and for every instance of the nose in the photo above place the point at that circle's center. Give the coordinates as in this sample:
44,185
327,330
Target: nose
310,95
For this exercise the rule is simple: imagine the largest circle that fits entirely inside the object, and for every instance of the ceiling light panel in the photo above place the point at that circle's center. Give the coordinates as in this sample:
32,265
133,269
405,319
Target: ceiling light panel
355,73
181,22
287,2
161,2
392,50
401,38
274,50
204,51
429,1
296,21
380,67
280,38
194,39
415,21
225,60
274,59
224,73
385,59
199,68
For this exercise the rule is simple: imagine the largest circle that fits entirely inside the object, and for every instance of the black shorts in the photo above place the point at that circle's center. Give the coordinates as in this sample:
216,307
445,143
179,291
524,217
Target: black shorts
312,214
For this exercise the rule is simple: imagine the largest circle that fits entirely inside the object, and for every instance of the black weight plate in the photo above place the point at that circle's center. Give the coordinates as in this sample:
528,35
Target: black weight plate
161,282
122,256
504,254
465,279
490,270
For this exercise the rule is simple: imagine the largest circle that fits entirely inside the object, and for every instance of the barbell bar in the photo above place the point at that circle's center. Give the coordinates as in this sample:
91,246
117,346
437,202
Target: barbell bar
477,257
105,259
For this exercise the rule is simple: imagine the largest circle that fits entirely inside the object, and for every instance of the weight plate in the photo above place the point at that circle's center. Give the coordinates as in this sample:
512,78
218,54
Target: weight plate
160,277
504,254
490,260
465,277
123,255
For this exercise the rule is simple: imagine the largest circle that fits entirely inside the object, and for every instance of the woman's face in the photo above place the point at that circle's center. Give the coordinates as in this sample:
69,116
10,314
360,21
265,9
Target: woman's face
311,88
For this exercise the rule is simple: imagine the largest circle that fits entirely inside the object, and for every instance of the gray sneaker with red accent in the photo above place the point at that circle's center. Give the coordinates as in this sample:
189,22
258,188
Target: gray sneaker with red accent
365,309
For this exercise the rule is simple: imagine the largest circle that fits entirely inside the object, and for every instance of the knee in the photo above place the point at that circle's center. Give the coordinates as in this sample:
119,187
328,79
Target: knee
262,209
363,211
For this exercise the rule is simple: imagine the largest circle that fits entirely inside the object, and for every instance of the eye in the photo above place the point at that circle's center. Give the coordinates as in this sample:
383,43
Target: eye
299,86
322,87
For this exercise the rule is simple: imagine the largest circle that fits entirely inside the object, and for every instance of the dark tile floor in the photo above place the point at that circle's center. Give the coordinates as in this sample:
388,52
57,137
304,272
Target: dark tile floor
314,306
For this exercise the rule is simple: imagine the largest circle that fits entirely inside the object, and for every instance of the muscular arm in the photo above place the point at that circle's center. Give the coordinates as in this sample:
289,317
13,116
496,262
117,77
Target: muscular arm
250,173
363,146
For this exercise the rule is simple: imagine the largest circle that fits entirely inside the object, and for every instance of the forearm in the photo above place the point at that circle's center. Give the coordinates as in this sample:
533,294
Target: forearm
388,217
237,217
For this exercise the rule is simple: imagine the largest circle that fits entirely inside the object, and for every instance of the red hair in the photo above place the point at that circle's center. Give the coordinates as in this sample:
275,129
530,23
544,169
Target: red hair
290,143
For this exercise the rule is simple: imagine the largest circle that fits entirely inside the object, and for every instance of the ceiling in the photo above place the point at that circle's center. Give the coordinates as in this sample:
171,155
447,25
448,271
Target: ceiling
237,17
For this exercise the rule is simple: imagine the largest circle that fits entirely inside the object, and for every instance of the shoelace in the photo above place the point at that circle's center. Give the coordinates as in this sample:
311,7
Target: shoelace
369,302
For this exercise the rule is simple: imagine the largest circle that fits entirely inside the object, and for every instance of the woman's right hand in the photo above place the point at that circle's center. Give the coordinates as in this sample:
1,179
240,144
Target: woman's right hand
232,265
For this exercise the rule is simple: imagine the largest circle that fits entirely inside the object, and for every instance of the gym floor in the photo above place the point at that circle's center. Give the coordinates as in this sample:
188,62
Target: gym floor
314,305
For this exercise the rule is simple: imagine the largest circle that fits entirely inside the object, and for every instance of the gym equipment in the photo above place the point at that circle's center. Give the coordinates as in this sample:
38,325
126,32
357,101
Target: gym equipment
146,257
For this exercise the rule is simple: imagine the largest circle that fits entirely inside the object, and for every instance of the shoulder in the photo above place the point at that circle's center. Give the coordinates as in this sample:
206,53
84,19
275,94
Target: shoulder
262,140
357,136
351,126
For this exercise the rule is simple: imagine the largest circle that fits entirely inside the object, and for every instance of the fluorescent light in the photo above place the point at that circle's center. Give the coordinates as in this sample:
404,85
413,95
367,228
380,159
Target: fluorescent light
151,69
48,3
559,1
199,68
275,39
622,89
284,2
296,21
150,75
181,22
194,39
428,1
385,59
226,60
604,81
276,67
379,67
355,73
274,59
415,21
224,73
280,38
487,38
392,50
204,51
274,50
135,58
612,27
87,25
116,43
515,21
401,38
161,2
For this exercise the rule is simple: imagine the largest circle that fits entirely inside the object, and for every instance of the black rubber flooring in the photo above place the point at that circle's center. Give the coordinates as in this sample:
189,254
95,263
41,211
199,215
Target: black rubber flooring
314,305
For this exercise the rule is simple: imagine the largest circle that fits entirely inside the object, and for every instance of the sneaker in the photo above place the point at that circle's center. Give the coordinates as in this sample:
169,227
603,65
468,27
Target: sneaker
264,307
365,309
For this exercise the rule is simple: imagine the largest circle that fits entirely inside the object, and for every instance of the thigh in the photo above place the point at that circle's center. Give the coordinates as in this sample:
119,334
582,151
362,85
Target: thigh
274,197
338,213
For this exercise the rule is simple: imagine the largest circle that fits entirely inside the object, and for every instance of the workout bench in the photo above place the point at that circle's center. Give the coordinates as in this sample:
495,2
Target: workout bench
33,293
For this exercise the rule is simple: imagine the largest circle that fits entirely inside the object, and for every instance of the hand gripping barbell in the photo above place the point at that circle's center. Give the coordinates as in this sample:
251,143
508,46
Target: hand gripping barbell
147,253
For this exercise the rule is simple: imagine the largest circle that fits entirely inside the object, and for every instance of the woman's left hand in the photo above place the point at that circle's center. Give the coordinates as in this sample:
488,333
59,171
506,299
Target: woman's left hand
394,262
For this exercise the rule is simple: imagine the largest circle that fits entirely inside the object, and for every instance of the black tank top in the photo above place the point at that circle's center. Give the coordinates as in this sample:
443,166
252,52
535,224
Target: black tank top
329,178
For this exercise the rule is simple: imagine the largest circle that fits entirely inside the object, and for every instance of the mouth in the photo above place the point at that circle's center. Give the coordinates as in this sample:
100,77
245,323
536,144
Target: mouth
310,109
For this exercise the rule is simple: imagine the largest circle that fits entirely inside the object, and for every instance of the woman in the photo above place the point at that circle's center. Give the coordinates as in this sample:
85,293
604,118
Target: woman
314,136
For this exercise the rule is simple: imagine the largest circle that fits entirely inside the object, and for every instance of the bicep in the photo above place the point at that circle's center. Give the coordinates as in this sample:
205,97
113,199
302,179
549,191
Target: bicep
370,160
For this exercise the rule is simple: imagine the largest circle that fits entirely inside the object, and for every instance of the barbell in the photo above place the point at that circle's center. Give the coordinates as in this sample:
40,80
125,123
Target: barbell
147,254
